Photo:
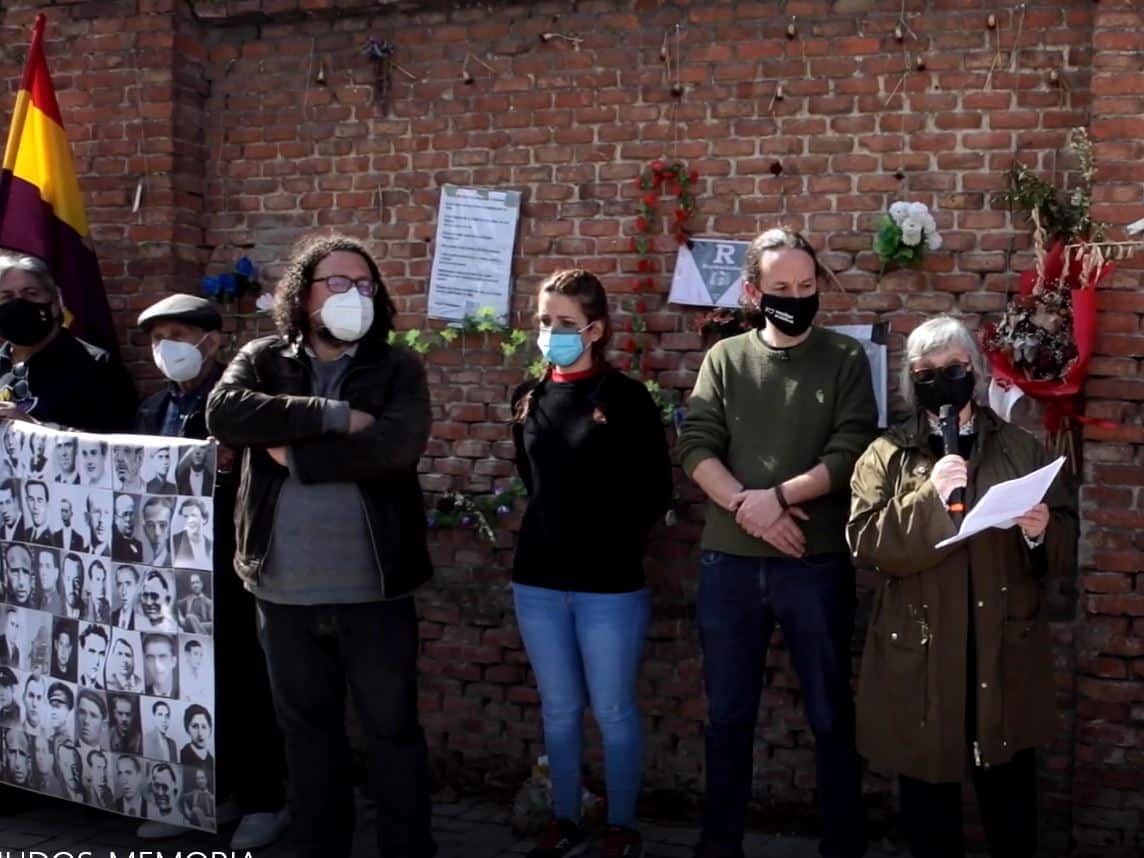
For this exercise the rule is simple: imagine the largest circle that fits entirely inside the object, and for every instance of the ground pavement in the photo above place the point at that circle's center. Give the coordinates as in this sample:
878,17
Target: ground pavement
470,828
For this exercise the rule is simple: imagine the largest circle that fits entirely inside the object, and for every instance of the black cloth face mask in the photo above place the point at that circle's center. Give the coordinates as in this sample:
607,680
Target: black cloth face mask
792,316
25,322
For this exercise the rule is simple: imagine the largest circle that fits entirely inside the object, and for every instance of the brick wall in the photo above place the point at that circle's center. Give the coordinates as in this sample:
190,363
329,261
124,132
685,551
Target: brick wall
213,104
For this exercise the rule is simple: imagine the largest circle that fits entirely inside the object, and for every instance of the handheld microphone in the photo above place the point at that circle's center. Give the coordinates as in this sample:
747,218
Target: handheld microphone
947,419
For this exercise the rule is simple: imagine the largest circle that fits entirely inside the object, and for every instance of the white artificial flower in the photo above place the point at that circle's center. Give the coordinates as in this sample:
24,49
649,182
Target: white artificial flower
918,211
928,223
911,233
899,211
265,302
933,241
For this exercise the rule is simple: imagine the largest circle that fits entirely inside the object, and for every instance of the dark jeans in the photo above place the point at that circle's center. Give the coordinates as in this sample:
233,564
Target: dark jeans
251,756
312,652
740,600
1006,797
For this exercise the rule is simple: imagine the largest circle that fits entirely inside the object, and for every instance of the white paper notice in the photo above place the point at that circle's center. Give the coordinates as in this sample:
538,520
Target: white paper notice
1005,502
472,260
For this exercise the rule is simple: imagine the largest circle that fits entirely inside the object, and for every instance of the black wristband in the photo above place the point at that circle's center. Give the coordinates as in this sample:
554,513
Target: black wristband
781,497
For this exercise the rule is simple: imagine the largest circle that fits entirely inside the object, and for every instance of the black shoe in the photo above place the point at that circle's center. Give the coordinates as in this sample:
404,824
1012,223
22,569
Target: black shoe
561,839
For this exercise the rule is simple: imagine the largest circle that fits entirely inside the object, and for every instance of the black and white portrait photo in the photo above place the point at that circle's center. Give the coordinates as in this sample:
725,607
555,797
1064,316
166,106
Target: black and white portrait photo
65,649
11,511
10,712
12,443
158,512
160,665
49,594
39,464
195,470
194,605
69,769
61,710
94,641
36,655
196,678
191,543
97,591
97,506
19,575
97,778
91,720
72,577
163,733
93,469
124,663
11,636
125,545
130,785
198,796
71,509
127,469
126,597
126,727
66,460
156,602
166,790
38,512
157,471
17,757
35,703
199,727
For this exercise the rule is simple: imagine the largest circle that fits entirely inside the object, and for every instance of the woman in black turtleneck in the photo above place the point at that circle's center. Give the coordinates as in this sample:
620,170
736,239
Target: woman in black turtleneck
591,450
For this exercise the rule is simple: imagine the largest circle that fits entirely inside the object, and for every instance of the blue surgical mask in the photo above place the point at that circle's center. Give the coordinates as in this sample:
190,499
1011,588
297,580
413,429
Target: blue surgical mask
562,348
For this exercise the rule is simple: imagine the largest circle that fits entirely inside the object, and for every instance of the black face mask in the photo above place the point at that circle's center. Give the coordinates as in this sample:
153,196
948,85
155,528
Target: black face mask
792,316
943,391
25,322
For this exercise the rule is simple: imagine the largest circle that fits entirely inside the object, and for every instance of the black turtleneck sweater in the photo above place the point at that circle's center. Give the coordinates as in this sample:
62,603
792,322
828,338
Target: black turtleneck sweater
593,455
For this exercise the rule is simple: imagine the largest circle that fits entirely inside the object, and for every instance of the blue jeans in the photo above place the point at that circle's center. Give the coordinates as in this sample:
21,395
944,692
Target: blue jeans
740,600
587,646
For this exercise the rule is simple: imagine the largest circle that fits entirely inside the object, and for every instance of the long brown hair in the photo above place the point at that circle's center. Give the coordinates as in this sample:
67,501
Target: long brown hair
586,289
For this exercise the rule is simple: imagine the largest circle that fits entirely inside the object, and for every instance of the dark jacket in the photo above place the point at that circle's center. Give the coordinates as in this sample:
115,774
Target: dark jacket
153,411
77,386
263,400
912,704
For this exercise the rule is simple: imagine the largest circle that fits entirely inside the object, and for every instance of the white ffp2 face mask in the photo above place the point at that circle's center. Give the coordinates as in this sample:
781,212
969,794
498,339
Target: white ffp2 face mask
178,361
347,315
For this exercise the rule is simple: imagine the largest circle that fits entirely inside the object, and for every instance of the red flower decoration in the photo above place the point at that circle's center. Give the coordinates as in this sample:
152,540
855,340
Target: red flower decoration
641,224
650,200
657,166
644,266
641,307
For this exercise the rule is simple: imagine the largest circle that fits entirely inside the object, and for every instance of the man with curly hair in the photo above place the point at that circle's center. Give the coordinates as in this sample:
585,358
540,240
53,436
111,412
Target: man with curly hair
331,538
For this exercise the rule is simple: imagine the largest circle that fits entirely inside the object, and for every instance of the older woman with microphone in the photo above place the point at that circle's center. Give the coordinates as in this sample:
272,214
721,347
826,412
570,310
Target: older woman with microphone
956,675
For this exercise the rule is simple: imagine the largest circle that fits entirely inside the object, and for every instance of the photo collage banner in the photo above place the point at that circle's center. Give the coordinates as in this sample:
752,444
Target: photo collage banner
107,621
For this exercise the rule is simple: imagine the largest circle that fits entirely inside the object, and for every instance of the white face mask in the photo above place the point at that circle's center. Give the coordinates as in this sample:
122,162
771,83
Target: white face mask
347,315
178,361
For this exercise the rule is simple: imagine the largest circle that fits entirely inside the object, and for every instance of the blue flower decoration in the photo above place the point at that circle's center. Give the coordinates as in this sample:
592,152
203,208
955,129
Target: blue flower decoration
211,287
245,268
502,510
228,284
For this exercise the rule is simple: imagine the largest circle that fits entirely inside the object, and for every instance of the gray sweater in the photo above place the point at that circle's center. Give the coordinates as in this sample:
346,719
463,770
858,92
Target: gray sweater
321,551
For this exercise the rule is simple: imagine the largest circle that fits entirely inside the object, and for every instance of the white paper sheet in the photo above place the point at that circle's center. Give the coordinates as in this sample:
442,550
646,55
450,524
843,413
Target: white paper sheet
1005,502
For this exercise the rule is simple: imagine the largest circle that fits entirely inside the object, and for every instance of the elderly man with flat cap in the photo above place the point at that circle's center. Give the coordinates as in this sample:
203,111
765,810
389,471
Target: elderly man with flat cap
186,337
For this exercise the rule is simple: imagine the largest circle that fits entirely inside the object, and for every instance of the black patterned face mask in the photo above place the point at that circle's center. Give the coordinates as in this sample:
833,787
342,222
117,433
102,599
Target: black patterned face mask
25,322
792,316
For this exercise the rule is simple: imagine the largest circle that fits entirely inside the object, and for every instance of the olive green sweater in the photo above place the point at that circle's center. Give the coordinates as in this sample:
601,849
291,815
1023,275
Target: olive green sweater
772,414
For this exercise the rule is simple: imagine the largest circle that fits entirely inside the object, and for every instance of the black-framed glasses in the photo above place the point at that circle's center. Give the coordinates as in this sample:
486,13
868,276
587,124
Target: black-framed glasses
950,372
339,284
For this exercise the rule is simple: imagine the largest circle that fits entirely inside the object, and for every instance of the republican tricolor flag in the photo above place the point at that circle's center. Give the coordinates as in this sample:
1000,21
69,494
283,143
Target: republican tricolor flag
41,209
